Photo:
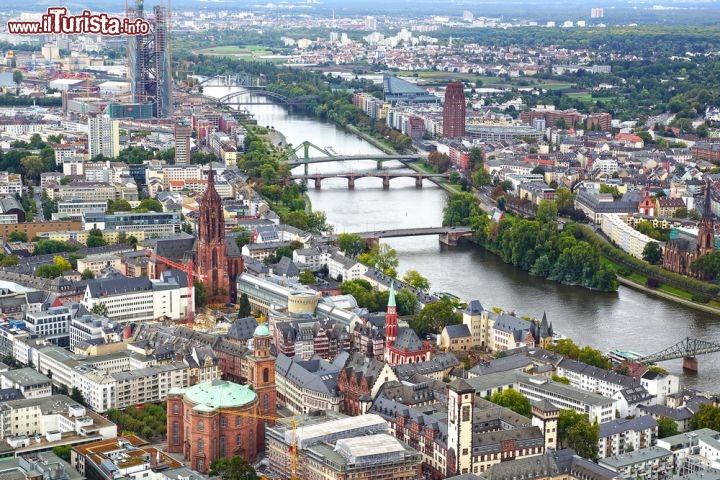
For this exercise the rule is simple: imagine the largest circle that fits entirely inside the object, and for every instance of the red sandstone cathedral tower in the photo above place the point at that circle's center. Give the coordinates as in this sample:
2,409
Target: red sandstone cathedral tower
212,263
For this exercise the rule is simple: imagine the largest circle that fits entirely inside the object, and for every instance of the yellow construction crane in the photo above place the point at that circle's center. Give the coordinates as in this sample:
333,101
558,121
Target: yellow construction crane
293,424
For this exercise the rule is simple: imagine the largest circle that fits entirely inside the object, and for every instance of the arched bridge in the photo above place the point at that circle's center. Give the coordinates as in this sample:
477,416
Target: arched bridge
405,159
447,235
687,349
232,98
386,177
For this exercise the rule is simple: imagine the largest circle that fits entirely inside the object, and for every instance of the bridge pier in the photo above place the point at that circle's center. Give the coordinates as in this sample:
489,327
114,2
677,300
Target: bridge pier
418,181
318,182
690,364
370,242
386,183
351,182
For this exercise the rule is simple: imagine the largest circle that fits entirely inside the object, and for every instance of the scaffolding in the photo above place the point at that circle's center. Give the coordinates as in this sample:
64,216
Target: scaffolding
149,57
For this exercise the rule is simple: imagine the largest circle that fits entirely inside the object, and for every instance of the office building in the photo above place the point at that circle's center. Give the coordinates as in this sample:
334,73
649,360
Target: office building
183,134
454,111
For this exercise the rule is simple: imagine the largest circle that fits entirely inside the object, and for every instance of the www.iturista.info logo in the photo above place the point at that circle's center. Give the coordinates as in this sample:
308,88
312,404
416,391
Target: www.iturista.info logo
57,20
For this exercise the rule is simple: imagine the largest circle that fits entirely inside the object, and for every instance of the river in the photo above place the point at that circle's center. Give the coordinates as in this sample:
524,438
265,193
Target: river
627,319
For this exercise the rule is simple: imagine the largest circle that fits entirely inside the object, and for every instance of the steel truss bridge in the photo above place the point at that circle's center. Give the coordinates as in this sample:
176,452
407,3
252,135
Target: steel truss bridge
687,349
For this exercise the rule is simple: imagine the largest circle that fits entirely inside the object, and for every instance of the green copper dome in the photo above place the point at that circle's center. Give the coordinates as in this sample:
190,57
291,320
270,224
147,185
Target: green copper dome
219,394
261,330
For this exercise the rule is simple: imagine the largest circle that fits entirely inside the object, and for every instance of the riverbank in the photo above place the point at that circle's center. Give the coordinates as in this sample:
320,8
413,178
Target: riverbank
668,296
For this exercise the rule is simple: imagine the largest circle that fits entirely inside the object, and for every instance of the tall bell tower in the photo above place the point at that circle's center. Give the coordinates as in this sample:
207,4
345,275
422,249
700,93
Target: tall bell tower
210,250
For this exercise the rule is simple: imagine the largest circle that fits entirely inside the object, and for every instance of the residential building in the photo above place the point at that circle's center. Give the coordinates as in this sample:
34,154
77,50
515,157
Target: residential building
50,421
345,268
455,338
623,235
104,137
360,379
183,138
627,435
652,463
30,382
125,457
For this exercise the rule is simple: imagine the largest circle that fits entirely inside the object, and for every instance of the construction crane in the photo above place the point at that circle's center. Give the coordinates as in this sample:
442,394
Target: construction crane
293,424
189,269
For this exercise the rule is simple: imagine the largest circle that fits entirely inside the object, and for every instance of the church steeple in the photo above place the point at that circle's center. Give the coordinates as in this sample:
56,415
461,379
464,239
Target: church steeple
391,319
706,232
210,254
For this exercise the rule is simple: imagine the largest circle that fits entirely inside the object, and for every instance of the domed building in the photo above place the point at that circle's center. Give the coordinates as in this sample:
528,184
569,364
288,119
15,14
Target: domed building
213,420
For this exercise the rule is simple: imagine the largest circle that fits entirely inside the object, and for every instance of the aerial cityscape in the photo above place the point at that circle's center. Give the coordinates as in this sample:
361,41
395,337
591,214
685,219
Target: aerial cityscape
319,240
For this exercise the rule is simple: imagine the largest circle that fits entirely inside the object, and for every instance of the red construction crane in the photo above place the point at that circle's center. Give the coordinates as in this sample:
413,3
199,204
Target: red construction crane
189,269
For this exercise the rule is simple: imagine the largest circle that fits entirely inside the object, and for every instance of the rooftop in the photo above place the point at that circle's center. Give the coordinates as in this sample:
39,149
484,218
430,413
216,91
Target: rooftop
217,394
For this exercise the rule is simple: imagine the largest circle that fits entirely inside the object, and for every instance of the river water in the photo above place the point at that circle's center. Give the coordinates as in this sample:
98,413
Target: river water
627,319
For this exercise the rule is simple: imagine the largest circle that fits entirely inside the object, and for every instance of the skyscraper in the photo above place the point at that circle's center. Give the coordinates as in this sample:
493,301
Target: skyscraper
454,111
104,137
212,264
149,60
183,134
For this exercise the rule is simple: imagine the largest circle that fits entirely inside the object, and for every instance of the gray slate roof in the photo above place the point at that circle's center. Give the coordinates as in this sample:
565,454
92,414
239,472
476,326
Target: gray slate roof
620,425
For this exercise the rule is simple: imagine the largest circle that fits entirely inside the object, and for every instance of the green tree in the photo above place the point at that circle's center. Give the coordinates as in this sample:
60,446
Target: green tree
118,206
611,189
594,357
17,77
514,400
63,451
242,238
17,237
100,309
149,205
666,427
565,199
31,167
575,431
547,211
77,396
307,278
48,271
200,294
559,379
435,316
413,277
652,253
383,257
237,468
46,247
87,274
317,223
244,308
351,244
475,156
405,301
708,416
95,240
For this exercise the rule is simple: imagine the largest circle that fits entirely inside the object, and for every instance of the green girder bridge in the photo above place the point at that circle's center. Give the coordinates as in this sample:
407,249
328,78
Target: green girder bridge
687,349
293,160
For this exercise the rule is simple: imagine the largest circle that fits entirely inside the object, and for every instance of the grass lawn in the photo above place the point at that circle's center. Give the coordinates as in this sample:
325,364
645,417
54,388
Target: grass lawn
675,291
235,51
637,278
587,97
